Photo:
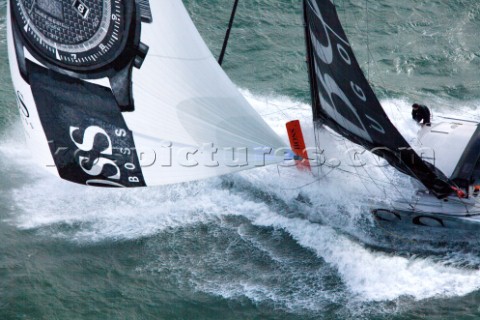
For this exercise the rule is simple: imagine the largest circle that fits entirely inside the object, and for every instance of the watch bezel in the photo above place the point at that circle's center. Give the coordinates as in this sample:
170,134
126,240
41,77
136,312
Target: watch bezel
124,55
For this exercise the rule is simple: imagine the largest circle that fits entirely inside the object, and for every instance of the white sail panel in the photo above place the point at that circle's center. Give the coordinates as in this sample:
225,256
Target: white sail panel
183,97
188,120
34,136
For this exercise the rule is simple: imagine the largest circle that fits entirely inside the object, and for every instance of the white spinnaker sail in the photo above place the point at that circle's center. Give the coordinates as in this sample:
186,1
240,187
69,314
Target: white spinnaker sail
183,97
188,115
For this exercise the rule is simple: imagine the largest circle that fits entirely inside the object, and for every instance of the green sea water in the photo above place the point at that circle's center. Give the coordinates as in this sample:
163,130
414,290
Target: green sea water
246,246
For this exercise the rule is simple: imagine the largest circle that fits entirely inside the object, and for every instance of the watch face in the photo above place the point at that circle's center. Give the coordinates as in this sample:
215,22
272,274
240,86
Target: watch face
76,34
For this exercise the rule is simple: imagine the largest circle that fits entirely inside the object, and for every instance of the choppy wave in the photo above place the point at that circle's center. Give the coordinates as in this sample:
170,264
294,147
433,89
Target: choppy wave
266,200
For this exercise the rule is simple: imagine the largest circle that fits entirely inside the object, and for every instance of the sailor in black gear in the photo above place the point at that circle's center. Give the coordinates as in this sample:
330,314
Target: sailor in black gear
421,113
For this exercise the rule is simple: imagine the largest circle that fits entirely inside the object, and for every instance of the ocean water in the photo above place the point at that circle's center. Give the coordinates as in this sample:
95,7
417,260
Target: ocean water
270,243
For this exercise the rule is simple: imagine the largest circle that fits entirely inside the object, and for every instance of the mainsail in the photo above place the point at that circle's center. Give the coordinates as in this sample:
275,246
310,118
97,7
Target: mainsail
343,100
189,122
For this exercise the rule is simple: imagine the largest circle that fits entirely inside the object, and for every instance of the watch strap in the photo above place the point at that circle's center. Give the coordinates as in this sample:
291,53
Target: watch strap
88,137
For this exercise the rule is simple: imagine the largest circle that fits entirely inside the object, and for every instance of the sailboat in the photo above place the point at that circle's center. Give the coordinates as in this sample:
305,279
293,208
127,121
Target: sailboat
343,101
127,94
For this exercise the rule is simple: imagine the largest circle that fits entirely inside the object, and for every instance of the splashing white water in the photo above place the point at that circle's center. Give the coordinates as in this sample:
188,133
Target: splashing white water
99,214
372,276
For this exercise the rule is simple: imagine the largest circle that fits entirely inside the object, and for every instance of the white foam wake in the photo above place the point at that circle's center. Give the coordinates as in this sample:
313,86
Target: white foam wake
46,204
373,276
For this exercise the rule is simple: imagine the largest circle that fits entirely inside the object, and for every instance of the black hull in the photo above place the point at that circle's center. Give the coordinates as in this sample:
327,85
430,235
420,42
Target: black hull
437,222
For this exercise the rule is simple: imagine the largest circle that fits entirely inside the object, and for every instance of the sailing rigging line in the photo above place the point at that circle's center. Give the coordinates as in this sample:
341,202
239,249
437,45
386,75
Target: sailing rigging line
317,144
337,167
344,142
389,183
369,58
366,172
382,189
368,43
414,206
227,35
317,179
280,111
342,120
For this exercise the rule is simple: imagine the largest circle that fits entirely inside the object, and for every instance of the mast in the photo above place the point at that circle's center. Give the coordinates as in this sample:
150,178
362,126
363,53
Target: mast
227,35
310,65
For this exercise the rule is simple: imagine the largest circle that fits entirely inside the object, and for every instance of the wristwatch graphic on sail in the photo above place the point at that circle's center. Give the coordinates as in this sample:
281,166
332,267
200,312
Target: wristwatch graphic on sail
73,42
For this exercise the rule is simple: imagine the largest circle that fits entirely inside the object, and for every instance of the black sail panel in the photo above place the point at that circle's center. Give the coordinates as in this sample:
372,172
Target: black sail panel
468,167
343,99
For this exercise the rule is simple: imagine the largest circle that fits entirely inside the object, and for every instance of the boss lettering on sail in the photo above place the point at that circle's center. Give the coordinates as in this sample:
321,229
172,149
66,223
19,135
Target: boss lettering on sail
346,101
105,158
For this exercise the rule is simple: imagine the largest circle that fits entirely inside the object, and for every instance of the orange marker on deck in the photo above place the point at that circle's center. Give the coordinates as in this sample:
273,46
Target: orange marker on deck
297,144
460,193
